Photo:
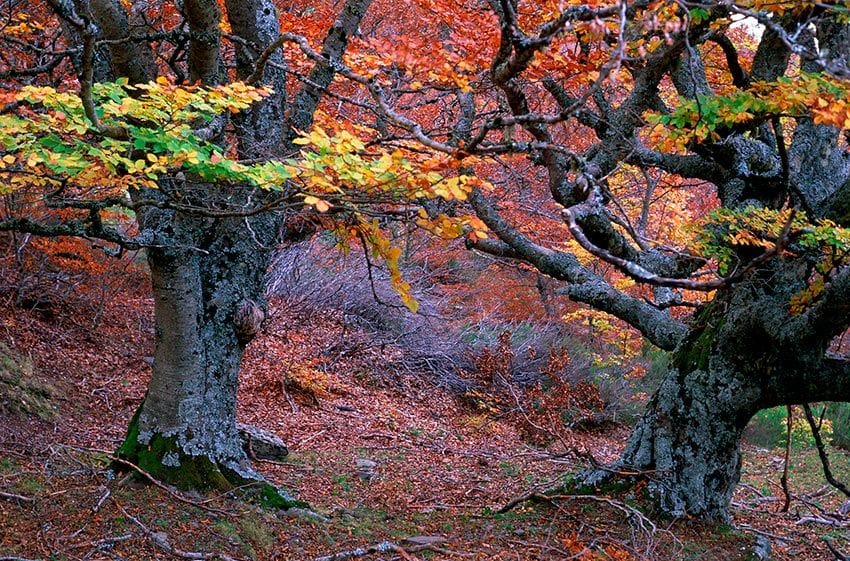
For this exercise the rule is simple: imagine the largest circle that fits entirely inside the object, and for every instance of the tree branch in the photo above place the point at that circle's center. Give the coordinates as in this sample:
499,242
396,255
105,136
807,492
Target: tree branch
584,286
333,47
824,459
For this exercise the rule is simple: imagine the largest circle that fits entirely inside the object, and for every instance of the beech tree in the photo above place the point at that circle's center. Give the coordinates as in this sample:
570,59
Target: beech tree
208,235
190,117
587,106
574,96
763,130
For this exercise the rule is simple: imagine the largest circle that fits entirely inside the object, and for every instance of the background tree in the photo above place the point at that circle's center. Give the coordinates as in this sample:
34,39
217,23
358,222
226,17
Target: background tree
573,97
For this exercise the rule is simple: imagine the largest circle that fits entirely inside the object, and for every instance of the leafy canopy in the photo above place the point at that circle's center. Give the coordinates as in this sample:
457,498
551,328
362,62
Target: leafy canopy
50,142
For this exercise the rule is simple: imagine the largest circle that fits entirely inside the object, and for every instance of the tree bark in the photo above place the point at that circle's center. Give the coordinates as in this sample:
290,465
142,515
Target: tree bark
735,360
208,306
208,274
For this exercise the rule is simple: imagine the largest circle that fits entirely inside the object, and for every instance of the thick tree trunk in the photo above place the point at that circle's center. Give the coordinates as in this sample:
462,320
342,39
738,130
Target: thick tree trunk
743,353
208,306
688,442
208,276
688,439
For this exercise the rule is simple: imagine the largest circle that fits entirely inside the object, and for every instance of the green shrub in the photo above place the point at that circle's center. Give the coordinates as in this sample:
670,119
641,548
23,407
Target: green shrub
767,428
839,413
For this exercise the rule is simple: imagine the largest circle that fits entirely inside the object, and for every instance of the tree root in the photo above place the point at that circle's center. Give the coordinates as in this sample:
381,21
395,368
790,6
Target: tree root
599,479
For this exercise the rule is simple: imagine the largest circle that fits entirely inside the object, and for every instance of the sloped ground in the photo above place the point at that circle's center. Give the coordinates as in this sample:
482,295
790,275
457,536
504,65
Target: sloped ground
381,456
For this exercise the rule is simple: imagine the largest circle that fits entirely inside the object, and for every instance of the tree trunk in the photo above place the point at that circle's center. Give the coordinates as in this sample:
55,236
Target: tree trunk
208,306
744,352
208,274
688,442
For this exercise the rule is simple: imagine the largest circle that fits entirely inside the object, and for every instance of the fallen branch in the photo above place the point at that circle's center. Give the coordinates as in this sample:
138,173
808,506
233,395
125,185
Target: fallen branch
404,552
823,521
644,523
777,537
160,540
14,497
101,500
165,488
383,547
533,497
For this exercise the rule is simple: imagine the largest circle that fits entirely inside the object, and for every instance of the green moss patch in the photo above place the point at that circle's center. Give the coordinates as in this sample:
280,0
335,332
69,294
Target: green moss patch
20,390
164,460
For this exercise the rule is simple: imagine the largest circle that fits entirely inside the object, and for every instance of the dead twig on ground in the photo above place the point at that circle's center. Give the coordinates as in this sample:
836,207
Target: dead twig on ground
383,547
160,540
823,521
14,497
777,537
387,547
102,499
154,480
645,524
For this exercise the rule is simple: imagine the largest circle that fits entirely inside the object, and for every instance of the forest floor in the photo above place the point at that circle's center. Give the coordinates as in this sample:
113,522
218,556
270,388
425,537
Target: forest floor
383,458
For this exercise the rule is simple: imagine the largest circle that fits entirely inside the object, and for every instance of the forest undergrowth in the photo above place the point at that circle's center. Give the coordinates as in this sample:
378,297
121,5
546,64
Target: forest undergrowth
394,466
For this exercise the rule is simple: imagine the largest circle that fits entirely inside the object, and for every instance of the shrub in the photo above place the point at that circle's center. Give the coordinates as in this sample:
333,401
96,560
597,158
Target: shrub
839,414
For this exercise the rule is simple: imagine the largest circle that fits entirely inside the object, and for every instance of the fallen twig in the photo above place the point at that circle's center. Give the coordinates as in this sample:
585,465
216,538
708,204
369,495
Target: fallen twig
152,479
824,521
101,500
777,537
533,497
97,544
386,547
164,487
14,497
644,523
160,540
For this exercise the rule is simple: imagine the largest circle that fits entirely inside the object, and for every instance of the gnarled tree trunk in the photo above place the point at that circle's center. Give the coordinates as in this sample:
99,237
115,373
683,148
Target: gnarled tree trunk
746,351
208,306
211,244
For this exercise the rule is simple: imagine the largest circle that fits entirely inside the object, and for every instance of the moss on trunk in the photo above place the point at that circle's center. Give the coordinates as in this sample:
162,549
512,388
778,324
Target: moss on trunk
164,460
695,351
